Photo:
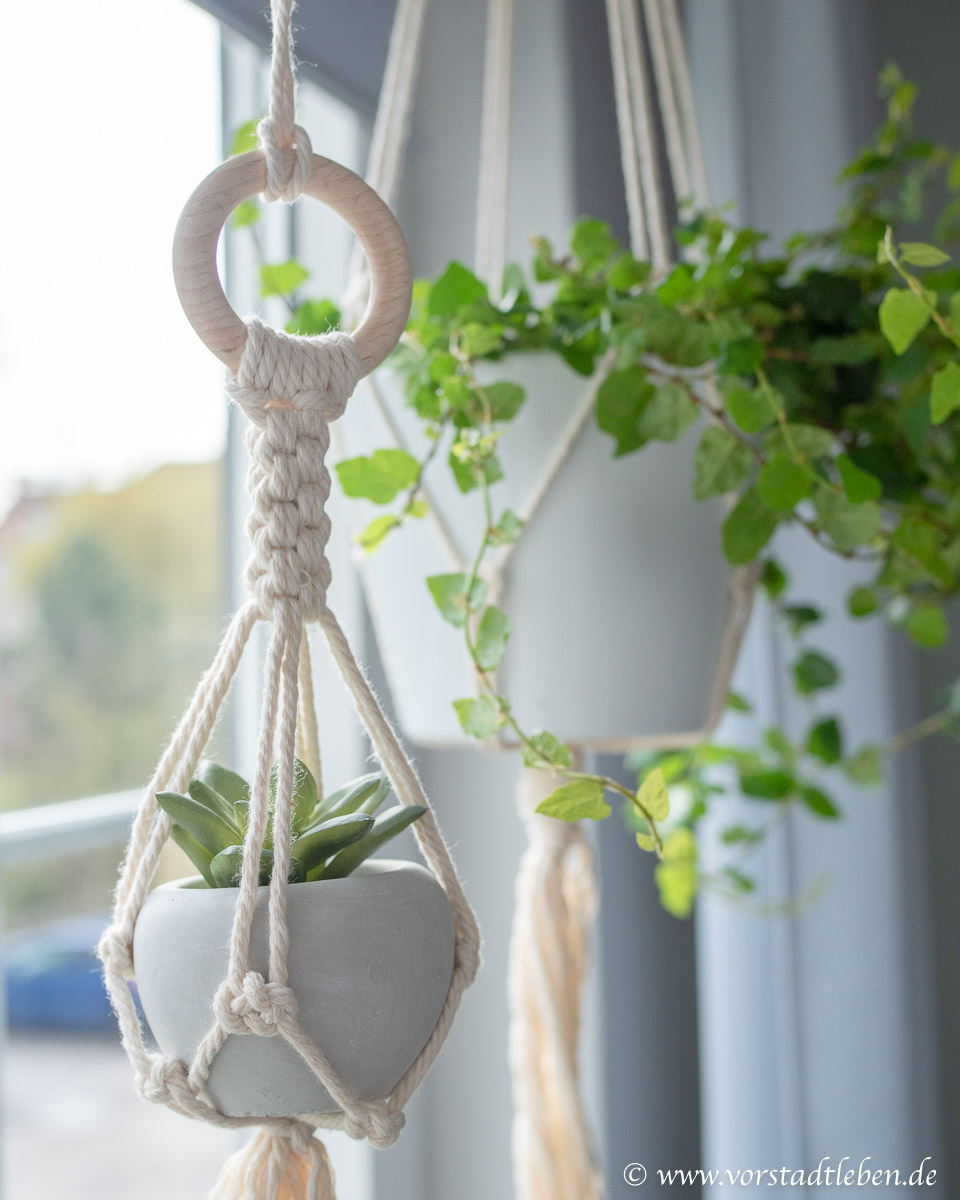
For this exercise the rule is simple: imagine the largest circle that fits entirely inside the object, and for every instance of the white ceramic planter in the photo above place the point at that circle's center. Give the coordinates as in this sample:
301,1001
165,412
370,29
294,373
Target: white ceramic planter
618,590
371,957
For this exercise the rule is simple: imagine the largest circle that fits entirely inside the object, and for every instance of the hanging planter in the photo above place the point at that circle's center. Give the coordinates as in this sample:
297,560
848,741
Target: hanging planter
283,989
606,545
370,965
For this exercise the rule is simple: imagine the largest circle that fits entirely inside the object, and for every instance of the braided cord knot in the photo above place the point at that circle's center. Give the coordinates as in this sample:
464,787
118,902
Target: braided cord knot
256,1006
376,1121
291,388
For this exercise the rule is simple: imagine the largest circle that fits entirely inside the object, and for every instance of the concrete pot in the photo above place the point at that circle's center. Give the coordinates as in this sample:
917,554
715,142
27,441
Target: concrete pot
371,957
618,590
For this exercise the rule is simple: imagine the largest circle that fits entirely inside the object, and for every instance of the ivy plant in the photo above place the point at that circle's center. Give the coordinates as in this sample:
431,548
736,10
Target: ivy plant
825,378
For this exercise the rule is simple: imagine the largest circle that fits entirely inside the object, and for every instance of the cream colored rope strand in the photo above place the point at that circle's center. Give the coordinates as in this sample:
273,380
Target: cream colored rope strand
553,1156
673,134
646,141
681,75
308,735
493,181
629,150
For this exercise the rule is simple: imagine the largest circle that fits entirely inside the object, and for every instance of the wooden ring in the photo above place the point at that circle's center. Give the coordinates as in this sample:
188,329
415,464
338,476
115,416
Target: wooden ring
205,213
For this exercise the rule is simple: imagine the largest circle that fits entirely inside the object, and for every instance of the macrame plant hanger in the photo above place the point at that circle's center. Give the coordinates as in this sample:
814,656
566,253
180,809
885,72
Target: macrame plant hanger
555,889
291,389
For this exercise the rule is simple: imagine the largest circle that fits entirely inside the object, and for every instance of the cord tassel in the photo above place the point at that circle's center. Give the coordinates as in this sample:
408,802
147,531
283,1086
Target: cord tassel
283,1162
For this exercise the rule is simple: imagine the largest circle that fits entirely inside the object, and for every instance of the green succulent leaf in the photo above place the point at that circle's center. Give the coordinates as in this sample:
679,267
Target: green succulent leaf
203,825
385,827
211,799
305,799
330,836
231,786
198,855
356,796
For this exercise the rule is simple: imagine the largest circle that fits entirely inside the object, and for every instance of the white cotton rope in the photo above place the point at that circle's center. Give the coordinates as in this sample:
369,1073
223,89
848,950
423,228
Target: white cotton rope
553,1156
493,185
290,388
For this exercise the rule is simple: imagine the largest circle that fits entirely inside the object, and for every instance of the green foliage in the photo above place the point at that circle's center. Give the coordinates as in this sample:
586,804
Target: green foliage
331,836
826,380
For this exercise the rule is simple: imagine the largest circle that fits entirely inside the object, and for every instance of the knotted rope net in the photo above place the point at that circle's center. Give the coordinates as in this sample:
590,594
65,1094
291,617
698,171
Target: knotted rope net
290,388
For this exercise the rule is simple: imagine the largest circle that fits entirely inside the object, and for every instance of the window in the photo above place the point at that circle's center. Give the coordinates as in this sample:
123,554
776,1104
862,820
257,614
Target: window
111,553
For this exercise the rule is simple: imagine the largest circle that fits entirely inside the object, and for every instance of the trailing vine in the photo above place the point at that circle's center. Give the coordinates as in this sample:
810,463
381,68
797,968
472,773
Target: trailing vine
826,378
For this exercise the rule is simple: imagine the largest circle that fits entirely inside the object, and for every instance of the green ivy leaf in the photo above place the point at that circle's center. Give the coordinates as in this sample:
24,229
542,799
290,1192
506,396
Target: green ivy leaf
748,528
244,137
313,317
861,602
621,399
456,289
676,875
550,747
766,785
653,797
577,800
282,279
627,272
847,525
449,593
593,244
737,703
246,213
505,400
477,340
493,631
902,316
479,716
814,672
927,626
507,529
919,254
800,616
866,766
741,357
378,478
851,350
677,286
858,484
720,465
797,438
945,393
825,741
773,579
782,483
819,802
668,413
750,408
378,529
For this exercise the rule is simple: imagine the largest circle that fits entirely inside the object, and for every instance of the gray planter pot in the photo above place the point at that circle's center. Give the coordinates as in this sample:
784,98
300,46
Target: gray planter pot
371,957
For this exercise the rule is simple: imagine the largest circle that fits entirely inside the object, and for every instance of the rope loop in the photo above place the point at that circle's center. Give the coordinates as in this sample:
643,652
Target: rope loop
284,185
257,1006
115,951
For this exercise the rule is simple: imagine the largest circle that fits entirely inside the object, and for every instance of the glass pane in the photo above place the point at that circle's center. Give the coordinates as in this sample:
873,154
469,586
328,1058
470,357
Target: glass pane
111,537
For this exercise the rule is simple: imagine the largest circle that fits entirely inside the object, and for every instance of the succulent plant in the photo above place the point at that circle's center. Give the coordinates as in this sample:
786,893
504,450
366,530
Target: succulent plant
332,835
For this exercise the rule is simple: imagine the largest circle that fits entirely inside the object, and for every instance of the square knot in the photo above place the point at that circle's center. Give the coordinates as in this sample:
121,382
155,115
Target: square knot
257,1006
287,370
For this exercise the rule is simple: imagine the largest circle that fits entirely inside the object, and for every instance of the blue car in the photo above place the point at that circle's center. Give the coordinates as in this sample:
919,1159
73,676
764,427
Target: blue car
52,978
